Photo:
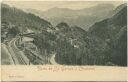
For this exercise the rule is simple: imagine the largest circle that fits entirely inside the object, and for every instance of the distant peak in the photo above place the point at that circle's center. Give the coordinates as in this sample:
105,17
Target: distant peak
104,5
58,8
100,6
55,8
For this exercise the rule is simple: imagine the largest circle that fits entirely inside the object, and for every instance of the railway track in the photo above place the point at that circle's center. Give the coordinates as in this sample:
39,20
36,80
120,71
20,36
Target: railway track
19,59
15,50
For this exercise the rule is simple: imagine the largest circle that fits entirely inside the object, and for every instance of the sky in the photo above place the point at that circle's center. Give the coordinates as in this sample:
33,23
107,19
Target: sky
45,5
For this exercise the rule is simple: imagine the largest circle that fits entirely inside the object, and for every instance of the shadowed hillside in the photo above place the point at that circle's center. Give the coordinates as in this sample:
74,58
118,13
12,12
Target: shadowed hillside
114,32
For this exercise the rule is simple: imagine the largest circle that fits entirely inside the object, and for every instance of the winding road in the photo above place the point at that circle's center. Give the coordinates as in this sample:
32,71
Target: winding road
18,57
6,58
52,60
16,54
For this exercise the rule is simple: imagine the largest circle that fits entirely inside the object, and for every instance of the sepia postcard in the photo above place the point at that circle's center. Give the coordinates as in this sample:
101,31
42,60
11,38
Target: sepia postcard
64,40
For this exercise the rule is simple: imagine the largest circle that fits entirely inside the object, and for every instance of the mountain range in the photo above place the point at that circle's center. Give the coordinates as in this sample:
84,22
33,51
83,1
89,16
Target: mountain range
105,43
83,18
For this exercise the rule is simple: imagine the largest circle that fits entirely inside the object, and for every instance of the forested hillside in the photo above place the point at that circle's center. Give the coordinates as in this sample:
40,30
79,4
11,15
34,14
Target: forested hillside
104,44
18,17
15,21
114,32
